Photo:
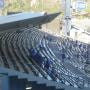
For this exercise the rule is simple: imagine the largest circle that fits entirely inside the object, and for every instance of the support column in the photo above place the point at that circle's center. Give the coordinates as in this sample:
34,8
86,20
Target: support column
67,17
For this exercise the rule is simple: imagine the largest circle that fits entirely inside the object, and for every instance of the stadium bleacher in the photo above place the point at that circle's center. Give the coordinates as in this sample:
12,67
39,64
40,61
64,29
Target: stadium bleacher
30,57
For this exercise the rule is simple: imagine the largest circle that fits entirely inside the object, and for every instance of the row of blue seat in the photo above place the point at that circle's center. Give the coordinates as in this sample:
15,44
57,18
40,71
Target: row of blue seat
32,51
38,58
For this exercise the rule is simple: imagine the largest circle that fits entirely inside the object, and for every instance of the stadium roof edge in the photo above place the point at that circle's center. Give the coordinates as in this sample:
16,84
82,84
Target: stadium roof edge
24,19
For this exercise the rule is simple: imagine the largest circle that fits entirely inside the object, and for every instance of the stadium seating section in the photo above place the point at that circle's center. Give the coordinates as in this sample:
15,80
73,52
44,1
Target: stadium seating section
33,52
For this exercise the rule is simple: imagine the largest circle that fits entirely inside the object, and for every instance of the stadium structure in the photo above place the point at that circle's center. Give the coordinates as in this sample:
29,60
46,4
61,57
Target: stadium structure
34,60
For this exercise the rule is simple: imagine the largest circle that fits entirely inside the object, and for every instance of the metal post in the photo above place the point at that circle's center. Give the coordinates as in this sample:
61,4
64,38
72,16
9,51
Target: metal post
67,17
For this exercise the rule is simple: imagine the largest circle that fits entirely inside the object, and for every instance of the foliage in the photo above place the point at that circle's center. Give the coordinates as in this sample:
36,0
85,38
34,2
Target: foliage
25,5
41,5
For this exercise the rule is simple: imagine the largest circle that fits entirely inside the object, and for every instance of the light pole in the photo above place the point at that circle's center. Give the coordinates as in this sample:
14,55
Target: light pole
67,17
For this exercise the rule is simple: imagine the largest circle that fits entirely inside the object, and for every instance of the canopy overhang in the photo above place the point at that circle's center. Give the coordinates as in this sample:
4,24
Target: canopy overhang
25,19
